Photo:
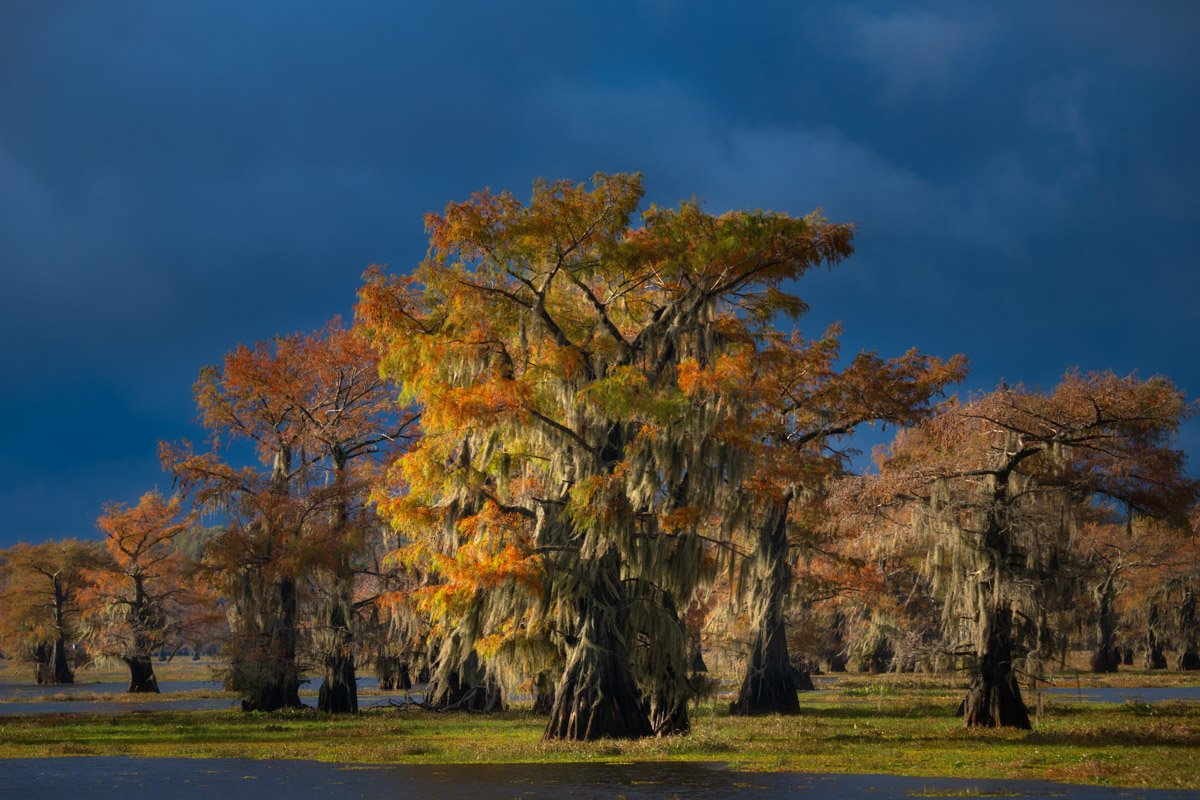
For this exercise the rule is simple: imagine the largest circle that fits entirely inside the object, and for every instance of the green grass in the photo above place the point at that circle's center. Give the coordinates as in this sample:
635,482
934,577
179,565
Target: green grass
903,730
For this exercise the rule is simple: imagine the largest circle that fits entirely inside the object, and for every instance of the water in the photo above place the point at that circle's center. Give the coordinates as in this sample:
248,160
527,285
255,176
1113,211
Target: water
10,690
30,698
26,698
1128,694
204,779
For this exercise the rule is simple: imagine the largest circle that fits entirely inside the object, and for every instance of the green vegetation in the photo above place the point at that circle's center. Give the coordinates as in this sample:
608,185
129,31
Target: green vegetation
907,729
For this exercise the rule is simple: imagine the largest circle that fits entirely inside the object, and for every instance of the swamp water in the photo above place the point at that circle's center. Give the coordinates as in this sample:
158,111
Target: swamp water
232,779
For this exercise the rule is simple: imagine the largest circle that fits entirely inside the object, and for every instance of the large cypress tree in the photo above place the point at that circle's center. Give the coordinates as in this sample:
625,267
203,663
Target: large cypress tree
565,480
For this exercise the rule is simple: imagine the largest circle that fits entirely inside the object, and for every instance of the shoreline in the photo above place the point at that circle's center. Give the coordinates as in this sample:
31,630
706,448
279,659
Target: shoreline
914,733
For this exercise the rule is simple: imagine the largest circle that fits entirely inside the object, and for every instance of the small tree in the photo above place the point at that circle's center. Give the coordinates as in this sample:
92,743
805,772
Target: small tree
318,412
136,603
260,555
1001,484
1162,603
789,402
351,425
41,587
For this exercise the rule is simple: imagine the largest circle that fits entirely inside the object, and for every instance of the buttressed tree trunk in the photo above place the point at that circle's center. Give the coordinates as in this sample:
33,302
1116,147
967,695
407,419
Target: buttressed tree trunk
59,669
141,675
140,662
596,697
768,686
339,686
543,696
274,681
1105,658
465,688
995,698
270,680
669,703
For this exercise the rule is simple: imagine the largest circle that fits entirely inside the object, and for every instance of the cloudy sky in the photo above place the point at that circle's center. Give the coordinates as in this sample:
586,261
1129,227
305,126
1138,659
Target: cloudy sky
176,178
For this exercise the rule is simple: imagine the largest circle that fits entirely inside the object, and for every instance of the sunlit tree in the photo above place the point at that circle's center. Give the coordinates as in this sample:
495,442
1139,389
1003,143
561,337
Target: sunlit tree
565,482
789,404
138,597
39,607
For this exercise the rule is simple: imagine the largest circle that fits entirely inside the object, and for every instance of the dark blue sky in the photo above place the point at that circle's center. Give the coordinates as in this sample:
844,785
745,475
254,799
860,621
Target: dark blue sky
176,178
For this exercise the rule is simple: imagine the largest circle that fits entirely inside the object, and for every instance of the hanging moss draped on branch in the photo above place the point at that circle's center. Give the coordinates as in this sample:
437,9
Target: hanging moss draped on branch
1002,484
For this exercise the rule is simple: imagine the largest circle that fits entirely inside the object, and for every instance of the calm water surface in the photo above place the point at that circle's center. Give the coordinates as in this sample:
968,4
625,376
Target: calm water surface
195,779
9,690
29,698
1128,694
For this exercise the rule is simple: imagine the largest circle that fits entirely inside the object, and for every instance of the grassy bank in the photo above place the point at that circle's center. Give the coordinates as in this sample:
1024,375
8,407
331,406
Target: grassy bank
901,727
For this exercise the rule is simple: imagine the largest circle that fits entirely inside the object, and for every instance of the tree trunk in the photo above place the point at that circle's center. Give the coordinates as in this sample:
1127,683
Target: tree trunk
58,670
668,702
1106,656
269,680
465,688
881,657
543,694
141,675
1189,657
835,644
802,678
596,697
1155,657
41,663
339,691
392,673
141,661
767,685
994,699
339,686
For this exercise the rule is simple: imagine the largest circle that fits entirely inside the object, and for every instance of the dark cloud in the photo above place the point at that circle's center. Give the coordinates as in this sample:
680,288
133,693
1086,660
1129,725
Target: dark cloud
176,178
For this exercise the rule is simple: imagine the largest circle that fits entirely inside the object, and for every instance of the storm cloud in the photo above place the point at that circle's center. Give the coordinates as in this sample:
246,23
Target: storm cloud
177,178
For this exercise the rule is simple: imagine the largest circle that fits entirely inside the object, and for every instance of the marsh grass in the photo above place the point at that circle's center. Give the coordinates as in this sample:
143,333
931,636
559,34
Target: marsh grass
83,696
907,731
